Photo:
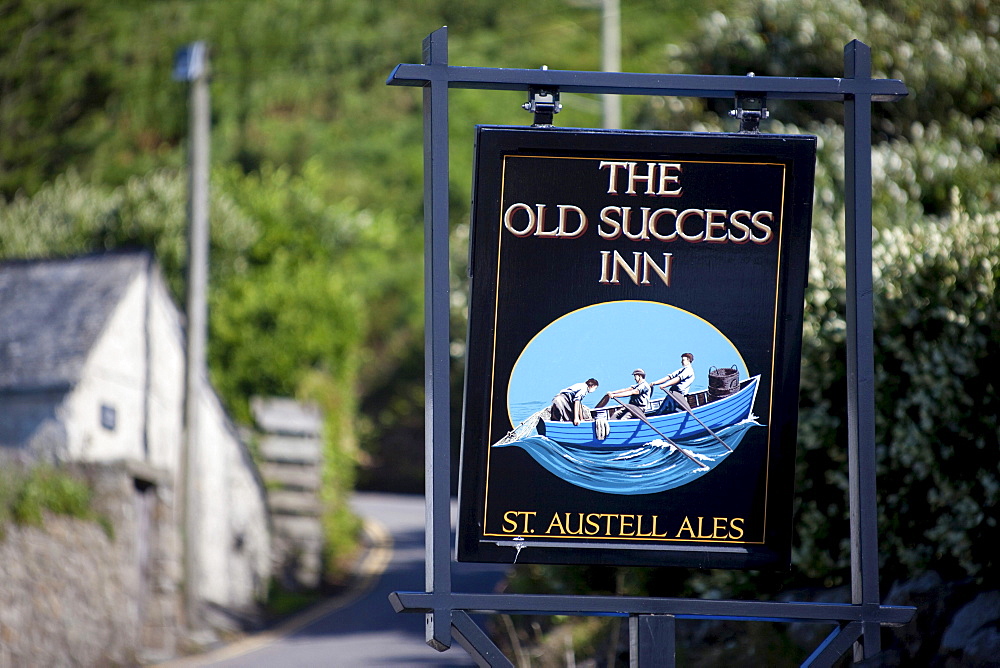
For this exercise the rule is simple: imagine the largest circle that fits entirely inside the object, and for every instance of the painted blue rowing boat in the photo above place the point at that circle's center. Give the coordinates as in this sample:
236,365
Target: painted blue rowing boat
714,413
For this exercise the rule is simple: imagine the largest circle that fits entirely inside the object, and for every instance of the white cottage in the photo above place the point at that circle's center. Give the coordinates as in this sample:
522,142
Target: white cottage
92,370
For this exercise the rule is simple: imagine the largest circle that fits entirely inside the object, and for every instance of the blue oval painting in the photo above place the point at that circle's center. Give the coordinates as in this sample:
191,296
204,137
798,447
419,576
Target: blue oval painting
608,342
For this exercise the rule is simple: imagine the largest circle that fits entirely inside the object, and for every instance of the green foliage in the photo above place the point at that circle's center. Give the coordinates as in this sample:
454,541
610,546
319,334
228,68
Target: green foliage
79,90
936,196
936,193
282,308
281,603
26,495
71,216
303,318
299,102
316,261
326,288
947,53
936,344
40,38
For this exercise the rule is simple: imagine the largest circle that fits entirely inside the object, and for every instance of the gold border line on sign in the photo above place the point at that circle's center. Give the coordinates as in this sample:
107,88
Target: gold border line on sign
496,312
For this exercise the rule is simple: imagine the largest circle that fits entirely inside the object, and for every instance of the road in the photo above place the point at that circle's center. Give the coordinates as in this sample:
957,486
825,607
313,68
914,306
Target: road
360,627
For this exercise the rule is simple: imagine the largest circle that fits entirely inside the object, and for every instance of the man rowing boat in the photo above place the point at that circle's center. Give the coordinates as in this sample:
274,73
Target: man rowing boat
638,394
677,384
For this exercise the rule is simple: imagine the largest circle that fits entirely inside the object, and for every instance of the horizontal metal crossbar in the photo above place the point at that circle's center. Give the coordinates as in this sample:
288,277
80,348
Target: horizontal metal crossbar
627,83
625,605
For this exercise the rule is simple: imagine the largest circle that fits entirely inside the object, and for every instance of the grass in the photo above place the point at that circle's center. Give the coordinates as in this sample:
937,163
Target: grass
27,494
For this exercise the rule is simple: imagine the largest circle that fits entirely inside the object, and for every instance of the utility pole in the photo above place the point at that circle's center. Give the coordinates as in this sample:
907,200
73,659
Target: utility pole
611,54
611,58
191,65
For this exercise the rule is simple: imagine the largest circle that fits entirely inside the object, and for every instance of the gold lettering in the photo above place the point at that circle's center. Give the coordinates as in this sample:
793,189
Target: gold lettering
712,224
618,262
616,227
656,217
639,270
605,265
742,227
625,527
682,218
651,532
626,223
723,528
666,177
508,219
648,177
536,221
664,274
766,229
581,227
579,528
511,518
540,231
556,522
612,174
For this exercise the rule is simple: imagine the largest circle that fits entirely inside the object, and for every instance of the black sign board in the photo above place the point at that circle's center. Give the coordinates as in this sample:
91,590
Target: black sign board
670,269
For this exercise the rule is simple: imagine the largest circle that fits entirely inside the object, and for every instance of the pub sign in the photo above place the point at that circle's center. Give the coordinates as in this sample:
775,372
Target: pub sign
633,350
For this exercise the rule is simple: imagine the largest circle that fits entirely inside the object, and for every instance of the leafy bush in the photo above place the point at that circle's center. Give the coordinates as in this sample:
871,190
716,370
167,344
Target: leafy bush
937,341
71,215
936,193
936,196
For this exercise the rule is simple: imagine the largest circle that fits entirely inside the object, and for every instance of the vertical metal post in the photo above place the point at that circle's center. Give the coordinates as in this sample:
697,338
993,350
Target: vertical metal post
860,344
192,66
437,357
652,641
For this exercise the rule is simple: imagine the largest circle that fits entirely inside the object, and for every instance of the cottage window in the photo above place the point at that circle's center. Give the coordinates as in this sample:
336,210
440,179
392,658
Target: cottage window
108,417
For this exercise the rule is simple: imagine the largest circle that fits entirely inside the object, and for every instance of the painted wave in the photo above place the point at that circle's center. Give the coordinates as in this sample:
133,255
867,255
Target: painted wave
646,469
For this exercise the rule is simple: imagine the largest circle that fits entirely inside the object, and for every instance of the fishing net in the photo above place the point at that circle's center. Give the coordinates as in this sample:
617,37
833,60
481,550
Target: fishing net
526,428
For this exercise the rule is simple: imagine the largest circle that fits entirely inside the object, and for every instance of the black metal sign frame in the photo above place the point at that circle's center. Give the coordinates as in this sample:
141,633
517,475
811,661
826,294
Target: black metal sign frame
651,619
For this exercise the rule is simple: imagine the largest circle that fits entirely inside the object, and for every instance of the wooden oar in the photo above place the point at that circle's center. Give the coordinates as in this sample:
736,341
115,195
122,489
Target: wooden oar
636,412
682,402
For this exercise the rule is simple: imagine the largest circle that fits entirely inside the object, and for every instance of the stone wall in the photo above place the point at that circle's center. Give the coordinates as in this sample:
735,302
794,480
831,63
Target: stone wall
73,595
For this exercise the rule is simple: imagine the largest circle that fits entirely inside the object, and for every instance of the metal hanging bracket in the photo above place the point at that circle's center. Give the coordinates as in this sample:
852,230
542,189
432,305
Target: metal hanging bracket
543,103
751,109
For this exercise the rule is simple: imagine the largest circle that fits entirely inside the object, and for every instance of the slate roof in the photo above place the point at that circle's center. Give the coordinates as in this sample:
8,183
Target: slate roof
52,313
